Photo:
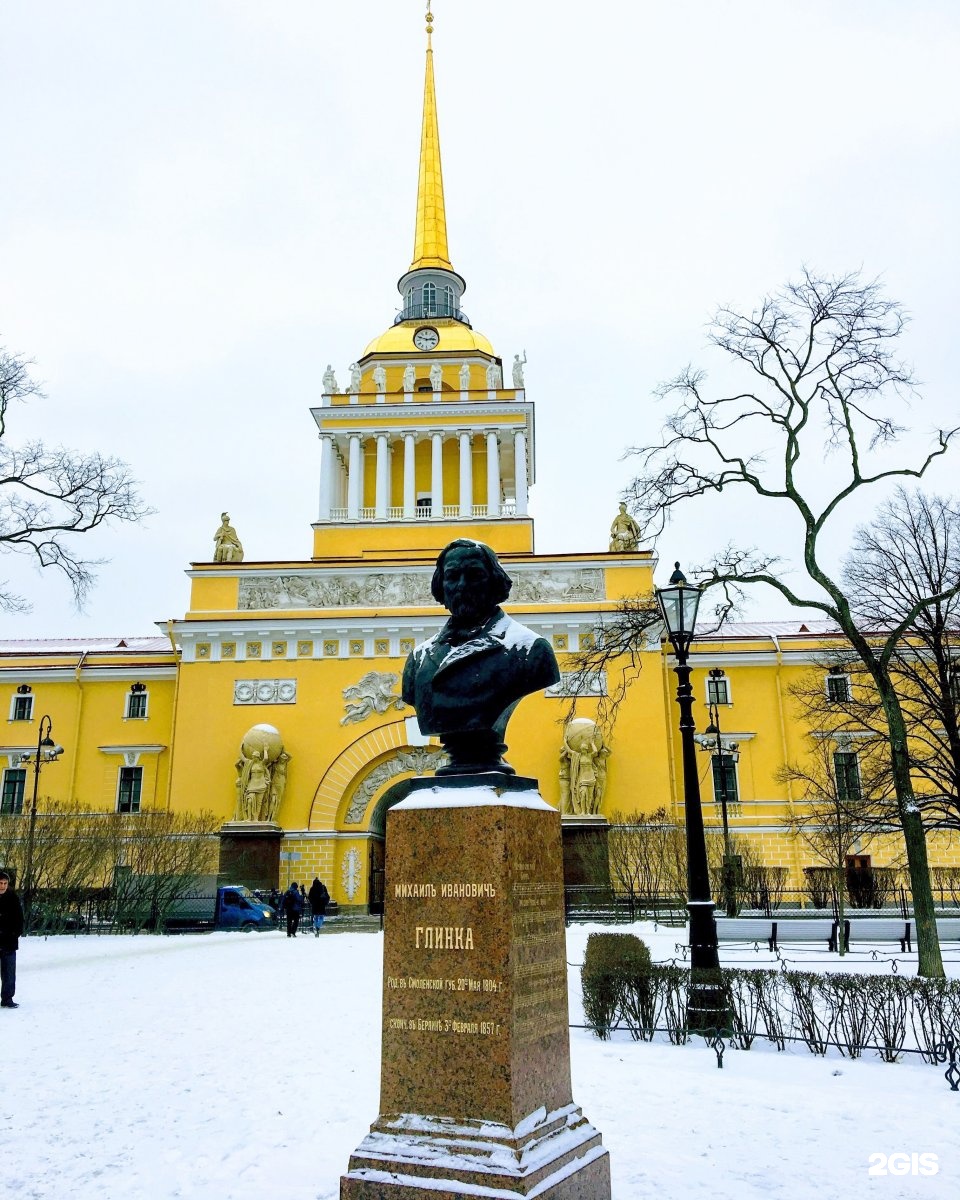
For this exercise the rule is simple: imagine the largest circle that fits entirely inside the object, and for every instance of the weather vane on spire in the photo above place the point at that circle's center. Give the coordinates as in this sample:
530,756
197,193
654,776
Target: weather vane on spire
429,24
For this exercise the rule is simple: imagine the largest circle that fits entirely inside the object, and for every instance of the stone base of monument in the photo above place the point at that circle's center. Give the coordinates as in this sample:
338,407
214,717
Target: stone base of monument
250,853
475,1094
586,861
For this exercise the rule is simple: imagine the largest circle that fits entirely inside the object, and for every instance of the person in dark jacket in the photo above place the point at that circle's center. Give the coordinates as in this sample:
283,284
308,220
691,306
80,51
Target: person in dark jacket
11,927
319,899
292,906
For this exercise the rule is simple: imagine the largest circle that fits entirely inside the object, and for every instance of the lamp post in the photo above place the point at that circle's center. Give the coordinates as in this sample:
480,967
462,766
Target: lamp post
47,751
729,863
706,1011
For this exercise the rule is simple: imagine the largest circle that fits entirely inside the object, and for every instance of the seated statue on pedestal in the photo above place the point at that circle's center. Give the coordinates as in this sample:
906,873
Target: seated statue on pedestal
624,532
466,681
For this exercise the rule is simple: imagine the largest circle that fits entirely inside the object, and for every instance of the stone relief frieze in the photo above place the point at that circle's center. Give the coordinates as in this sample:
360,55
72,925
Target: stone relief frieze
539,585
265,691
417,760
373,694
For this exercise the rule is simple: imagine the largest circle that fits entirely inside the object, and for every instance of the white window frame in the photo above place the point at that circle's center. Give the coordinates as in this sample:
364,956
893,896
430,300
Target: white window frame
129,811
21,771
429,306
854,757
20,697
831,675
736,798
131,697
725,681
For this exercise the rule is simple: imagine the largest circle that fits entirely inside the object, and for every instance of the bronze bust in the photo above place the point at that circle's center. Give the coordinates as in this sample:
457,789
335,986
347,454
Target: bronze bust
466,681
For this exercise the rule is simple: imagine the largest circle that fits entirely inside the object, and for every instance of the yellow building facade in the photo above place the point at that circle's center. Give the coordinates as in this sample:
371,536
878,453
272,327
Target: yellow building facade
426,441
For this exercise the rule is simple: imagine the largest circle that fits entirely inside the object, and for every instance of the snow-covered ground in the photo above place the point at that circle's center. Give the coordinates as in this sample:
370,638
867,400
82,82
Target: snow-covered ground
232,1067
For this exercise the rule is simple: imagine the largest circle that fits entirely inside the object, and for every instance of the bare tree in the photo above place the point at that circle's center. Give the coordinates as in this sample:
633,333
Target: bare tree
835,815
50,496
616,652
821,367
909,552
911,549
648,859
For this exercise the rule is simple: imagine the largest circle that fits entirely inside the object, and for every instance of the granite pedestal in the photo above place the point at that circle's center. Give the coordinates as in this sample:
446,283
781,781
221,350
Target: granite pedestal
250,853
475,1095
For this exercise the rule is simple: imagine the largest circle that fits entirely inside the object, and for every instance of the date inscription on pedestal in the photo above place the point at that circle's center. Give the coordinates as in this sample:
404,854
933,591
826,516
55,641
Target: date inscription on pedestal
536,996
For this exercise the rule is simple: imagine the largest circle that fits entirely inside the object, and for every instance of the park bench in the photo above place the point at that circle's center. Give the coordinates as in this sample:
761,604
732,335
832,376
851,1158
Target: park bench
763,929
879,929
948,929
896,929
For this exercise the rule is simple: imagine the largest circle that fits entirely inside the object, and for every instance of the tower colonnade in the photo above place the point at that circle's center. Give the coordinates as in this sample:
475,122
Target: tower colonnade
433,484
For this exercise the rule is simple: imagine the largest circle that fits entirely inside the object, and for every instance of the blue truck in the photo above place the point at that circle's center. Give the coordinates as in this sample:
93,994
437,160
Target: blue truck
203,904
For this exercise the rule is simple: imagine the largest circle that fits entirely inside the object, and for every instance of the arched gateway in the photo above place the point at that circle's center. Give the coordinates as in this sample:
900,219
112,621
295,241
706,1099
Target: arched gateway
365,780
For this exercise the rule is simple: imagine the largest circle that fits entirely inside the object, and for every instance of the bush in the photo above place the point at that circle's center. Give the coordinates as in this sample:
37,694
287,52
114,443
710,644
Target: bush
851,1012
613,963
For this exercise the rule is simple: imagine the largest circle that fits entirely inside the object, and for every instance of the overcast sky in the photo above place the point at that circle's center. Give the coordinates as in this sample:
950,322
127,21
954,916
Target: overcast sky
205,201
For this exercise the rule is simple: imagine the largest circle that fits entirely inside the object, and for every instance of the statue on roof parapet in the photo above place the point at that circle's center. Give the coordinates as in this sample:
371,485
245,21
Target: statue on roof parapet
226,544
624,532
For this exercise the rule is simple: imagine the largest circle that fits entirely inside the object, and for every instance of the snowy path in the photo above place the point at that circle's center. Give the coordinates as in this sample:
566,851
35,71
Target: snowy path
226,1067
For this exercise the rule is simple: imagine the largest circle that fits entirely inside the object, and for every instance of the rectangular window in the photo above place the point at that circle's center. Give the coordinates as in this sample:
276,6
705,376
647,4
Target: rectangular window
136,705
128,792
14,782
22,708
718,691
838,688
847,771
725,779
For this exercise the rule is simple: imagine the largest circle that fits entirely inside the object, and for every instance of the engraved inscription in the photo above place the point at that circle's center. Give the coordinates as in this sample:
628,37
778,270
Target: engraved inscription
540,978
446,891
443,937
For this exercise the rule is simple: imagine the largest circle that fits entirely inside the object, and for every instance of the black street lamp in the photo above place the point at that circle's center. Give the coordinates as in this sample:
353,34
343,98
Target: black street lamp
706,1011
47,751
730,863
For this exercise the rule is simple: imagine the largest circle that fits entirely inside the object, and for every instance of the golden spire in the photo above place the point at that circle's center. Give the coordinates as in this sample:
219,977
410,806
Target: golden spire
430,238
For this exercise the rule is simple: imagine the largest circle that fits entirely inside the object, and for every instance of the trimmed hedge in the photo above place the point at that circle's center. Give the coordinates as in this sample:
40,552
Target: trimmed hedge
622,989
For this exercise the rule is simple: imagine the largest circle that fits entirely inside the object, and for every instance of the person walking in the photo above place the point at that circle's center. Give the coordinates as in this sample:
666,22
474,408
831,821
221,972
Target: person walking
319,899
11,927
292,907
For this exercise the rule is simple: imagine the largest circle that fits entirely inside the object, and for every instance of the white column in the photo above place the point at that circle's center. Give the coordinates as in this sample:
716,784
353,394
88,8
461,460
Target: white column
409,476
383,477
466,474
362,490
436,481
327,478
354,478
341,482
520,470
493,474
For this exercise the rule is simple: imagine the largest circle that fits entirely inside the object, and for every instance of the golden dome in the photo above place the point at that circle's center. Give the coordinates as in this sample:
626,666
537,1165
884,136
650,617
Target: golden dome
455,338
